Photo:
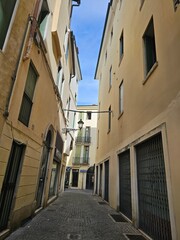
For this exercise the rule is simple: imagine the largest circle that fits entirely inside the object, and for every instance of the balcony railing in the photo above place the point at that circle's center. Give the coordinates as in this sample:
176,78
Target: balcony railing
80,161
83,140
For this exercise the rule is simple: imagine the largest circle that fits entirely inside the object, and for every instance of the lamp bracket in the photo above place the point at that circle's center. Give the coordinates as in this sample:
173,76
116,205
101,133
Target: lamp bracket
66,130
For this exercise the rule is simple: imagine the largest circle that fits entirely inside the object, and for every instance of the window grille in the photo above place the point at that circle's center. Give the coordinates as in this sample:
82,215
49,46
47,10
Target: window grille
152,189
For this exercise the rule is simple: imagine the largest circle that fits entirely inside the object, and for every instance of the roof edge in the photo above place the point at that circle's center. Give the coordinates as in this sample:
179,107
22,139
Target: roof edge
102,40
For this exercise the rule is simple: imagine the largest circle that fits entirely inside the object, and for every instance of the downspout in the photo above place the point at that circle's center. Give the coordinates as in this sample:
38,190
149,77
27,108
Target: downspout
75,5
73,55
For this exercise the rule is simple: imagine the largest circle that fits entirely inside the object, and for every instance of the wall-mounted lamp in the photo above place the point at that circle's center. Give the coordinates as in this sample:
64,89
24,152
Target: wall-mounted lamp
80,126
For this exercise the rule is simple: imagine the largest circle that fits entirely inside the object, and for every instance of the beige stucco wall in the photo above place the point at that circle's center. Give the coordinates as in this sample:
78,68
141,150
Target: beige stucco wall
33,136
151,104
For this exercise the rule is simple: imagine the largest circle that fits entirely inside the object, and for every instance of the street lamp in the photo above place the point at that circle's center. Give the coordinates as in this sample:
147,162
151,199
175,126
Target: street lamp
80,126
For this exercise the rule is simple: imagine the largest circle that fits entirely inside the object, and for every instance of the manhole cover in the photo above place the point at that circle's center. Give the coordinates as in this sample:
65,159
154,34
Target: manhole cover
135,237
118,218
74,236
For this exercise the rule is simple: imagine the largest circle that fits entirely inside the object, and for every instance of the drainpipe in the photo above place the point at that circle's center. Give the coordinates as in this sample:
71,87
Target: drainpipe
31,22
75,5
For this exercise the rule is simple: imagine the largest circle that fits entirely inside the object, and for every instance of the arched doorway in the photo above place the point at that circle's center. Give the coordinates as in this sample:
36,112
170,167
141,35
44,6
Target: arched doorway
43,168
90,178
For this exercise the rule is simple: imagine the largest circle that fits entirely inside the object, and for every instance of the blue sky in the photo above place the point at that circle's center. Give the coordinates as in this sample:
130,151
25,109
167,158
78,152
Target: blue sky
87,25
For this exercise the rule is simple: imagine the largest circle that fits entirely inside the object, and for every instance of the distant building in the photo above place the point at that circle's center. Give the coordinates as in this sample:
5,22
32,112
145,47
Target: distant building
80,166
137,163
39,74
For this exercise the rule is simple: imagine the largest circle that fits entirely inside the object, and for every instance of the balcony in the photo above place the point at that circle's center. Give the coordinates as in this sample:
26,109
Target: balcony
80,161
83,140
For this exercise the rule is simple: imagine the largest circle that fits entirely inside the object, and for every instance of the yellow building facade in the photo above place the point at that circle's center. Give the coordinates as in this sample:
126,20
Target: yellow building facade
137,163
34,49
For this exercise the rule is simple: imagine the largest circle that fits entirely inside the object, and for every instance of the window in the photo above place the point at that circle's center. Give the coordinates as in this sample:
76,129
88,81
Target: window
86,154
87,134
110,77
149,47
89,115
121,46
27,100
109,119
6,12
43,18
121,103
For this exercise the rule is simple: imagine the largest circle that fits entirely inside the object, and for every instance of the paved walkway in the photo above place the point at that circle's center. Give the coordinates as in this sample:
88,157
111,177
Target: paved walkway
76,215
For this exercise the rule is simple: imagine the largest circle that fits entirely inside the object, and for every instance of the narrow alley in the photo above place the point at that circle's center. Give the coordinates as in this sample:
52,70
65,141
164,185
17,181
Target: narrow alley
89,120
77,215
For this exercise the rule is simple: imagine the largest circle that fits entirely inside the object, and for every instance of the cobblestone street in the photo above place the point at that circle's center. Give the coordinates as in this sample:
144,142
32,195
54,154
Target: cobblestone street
75,215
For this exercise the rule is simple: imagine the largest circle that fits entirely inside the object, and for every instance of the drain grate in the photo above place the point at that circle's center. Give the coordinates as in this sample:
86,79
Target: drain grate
135,237
118,218
74,237
102,203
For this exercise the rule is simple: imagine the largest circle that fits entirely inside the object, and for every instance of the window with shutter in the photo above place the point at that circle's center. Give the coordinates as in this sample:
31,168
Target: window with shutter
27,100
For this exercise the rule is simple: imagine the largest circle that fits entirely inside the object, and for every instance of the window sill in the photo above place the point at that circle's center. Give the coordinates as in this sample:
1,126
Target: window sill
150,72
120,115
